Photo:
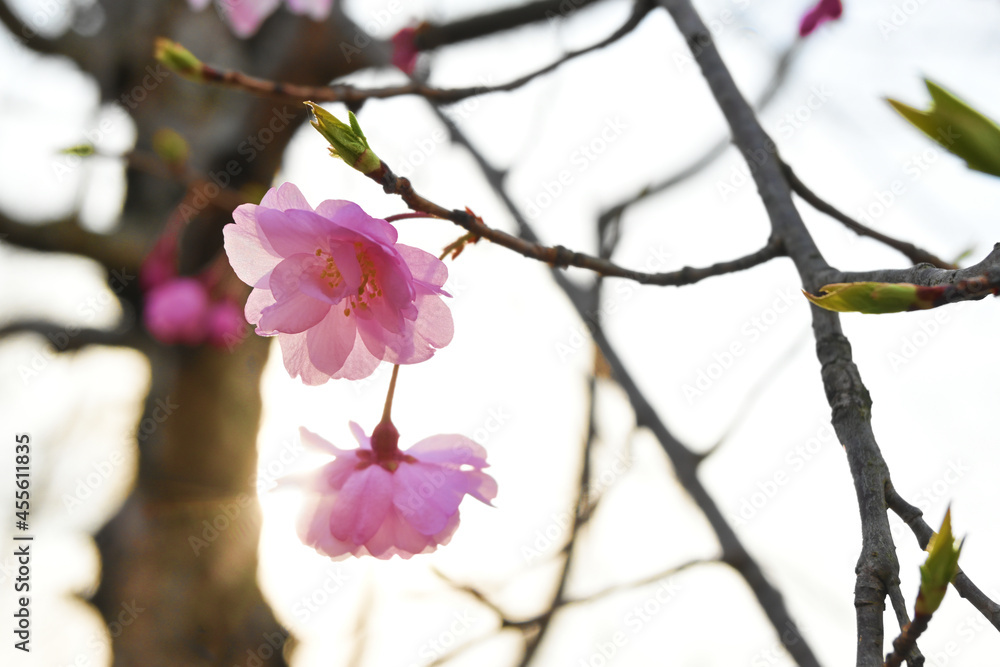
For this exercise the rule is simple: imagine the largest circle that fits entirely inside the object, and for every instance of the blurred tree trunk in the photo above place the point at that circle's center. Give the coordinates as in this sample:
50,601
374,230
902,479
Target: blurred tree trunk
179,560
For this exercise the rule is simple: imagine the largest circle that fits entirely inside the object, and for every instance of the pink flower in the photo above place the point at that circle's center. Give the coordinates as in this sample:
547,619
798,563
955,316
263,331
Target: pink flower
245,16
160,264
175,311
823,11
404,51
225,324
335,287
377,500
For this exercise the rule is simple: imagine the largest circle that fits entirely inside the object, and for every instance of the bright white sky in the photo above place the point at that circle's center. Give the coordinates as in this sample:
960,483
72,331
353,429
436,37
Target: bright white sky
518,357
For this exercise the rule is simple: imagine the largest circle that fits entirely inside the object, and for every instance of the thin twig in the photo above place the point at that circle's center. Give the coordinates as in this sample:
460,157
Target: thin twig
912,252
685,461
352,95
561,257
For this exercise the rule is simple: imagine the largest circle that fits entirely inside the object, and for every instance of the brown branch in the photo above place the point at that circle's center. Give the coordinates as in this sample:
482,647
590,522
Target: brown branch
533,638
70,338
113,251
352,96
923,274
684,461
913,656
877,567
907,641
914,518
912,252
561,257
431,36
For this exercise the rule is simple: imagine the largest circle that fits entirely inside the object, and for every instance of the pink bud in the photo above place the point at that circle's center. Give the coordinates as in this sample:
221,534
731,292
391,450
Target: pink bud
404,51
820,13
176,311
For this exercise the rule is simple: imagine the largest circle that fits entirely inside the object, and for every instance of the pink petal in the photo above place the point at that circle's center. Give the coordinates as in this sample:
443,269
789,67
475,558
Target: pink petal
425,496
245,16
396,537
359,434
330,341
425,267
294,314
292,232
249,258
434,326
258,300
359,364
449,448
349,215
285,196
295,354
310,439
480,486
362,505
317,9
313,528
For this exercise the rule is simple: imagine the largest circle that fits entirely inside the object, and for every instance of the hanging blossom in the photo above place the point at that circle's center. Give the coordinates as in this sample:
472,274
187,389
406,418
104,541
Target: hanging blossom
335,287
378,500
245,16
820,13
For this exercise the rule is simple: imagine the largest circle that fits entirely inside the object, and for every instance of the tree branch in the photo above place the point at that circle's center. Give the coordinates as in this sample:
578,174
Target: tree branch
924,274
850,403
912,252
352,96
913,656
684,461
431,36
559,256
69,338
113,251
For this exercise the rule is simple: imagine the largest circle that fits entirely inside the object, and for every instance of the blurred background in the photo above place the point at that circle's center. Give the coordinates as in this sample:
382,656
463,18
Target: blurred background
149,461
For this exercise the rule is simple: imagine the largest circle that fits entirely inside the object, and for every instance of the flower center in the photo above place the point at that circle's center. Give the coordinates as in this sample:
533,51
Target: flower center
330,271
369,288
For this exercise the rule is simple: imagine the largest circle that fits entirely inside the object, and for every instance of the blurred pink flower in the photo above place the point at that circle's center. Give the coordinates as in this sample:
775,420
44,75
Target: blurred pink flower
335,287
160,265
404,51
245,16
225,324
175,311
823,11
377,500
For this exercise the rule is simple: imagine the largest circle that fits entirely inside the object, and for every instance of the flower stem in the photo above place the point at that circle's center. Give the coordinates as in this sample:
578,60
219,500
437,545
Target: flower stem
405,216
385,437
388,399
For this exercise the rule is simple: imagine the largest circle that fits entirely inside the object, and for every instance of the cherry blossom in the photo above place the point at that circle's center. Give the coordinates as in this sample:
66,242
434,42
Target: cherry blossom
378,500
334,286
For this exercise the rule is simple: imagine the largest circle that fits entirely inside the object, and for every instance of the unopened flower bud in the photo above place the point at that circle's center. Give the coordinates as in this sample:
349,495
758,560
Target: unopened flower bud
175,57
347,142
